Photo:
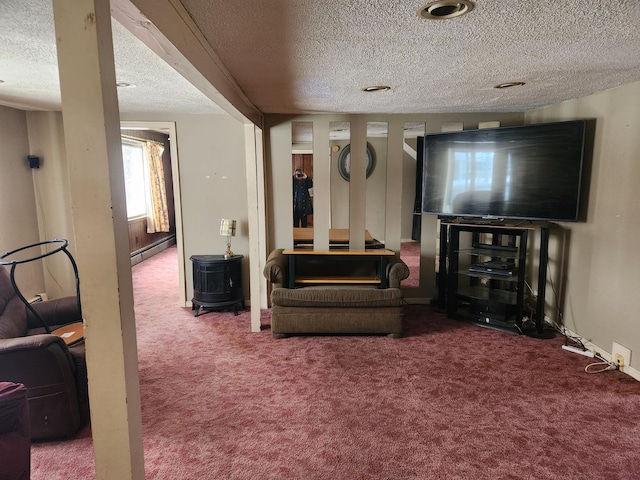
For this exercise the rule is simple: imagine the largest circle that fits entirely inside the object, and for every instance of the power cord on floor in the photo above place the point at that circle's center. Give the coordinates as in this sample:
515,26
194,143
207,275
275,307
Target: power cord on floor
576,340
609,366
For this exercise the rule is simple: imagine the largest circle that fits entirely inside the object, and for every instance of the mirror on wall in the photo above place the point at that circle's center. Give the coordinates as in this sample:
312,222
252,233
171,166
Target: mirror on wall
302,174
411,200
376,188
376,167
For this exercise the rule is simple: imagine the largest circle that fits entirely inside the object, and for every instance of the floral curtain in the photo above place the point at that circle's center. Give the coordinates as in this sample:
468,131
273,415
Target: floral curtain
157,214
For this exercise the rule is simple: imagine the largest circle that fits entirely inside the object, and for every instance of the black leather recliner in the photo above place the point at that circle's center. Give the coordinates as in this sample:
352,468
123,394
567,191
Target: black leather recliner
54,373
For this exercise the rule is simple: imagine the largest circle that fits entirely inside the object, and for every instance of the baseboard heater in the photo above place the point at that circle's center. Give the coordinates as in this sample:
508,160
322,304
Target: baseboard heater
151,249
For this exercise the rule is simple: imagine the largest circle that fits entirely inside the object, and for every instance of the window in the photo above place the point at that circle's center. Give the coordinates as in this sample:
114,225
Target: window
135,178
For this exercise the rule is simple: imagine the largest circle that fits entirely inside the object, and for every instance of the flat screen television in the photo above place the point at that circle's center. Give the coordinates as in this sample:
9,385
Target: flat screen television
530,172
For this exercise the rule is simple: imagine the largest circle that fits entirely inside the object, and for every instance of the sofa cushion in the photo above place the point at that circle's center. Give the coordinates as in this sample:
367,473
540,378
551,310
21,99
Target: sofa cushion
337,296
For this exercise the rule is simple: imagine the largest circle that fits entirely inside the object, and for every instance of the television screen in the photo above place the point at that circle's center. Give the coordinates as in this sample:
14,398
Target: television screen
528,172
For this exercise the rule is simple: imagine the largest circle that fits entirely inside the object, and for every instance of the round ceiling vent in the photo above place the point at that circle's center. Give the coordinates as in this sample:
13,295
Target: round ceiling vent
444,9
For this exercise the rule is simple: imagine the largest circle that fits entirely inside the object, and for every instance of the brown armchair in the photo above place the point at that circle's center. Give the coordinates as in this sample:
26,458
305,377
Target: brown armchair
15,441
54,373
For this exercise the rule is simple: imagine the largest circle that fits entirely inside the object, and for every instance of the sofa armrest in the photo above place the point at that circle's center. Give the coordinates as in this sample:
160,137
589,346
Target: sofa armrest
277,268
56,312
397,271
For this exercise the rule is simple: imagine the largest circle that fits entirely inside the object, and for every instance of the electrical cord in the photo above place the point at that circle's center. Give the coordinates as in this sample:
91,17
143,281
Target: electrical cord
609,366
559,326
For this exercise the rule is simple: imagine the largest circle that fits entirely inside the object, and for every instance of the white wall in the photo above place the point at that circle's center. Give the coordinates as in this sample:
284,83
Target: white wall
213,184
18,215
211,168
51,185
598,275
375,190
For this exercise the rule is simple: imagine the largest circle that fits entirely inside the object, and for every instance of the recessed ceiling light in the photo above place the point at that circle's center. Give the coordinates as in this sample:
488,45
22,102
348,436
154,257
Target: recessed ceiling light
376,88
445,9
125,85
510,84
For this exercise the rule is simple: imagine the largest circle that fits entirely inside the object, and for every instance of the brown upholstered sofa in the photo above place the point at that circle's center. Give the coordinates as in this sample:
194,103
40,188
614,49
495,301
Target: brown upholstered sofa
335,309
55,375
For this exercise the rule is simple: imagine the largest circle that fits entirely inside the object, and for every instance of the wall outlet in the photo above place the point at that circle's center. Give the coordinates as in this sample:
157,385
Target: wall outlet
621,356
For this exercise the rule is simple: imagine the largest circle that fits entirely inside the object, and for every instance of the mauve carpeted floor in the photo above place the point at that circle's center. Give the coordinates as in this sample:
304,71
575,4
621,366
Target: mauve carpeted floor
410,254
447,401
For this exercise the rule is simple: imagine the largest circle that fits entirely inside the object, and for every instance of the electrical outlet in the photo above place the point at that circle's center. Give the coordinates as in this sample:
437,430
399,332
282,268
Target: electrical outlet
621,356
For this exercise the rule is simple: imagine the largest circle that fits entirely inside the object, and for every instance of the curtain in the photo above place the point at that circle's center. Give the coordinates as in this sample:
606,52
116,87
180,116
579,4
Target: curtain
157,214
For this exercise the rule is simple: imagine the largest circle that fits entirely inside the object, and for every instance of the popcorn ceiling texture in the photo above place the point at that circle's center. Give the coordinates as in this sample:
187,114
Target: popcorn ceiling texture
308,56
316,56
29,67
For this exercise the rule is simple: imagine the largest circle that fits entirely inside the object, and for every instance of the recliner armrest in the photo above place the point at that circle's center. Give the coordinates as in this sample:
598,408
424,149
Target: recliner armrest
45,366
56,312
30,342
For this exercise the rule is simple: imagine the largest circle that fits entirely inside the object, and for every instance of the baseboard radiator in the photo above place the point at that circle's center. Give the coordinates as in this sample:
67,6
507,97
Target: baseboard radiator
151,250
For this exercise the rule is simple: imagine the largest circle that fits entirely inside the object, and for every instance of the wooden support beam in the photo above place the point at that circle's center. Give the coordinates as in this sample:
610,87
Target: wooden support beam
94,158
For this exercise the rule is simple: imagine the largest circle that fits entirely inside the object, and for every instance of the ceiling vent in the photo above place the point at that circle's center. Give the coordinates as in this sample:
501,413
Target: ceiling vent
444,9
509,85
377,88
125,85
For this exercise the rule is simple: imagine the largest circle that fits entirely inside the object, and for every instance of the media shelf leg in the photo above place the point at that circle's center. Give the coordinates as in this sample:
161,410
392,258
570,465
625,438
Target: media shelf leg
441,278
540,331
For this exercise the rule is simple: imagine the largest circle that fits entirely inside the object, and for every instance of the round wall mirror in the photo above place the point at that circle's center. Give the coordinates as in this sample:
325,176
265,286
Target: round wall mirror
344,162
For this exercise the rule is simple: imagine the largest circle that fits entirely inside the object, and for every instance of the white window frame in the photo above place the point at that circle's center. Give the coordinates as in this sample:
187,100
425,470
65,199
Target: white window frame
127,142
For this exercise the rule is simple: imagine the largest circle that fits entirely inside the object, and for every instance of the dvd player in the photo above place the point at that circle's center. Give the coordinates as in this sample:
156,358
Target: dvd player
494,268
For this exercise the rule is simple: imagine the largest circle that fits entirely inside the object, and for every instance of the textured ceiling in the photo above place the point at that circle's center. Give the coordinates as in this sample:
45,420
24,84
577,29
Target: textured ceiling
307,56
316,56
29,68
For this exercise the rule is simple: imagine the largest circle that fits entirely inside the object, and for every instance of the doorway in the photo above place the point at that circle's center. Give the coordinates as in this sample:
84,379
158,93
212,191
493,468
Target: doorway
168,129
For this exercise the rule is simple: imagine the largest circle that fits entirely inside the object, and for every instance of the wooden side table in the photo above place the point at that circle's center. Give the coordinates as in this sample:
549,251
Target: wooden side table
217,283
71,333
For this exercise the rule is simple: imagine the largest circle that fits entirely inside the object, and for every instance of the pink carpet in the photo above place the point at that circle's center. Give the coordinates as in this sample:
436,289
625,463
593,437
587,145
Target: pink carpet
410,254
448,401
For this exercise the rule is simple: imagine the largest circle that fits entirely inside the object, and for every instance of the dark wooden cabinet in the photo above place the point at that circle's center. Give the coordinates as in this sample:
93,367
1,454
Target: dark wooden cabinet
217,283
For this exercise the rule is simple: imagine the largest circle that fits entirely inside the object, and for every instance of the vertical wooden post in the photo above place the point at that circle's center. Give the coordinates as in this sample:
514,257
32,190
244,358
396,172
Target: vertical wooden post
358,184
321,184
92,140
394,187
256,216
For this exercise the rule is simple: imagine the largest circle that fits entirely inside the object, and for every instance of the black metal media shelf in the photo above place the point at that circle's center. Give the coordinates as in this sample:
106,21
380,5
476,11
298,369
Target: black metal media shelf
496,296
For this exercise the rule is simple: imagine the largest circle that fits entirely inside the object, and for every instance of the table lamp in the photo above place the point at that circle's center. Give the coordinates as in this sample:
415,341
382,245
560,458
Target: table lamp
228,229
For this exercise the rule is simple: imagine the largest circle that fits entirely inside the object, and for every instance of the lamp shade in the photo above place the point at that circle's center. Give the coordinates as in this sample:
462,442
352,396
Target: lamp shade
228,227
